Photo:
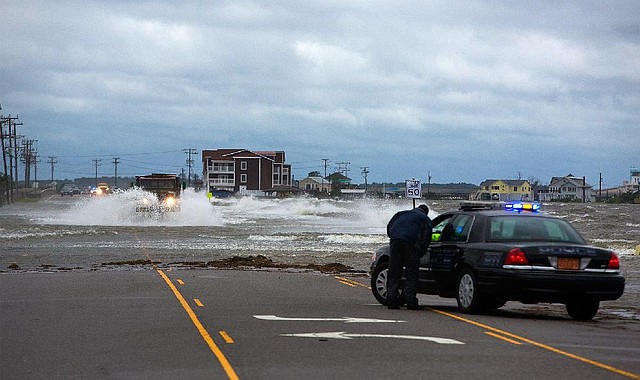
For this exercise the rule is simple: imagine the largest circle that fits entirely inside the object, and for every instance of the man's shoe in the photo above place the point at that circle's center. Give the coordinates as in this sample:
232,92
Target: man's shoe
414,307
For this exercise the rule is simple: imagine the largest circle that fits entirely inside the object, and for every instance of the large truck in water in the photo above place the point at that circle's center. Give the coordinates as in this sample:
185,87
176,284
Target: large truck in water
165,192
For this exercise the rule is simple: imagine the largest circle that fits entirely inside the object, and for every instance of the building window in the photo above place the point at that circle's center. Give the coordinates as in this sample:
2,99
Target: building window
243,177
515,188
243,165
495,187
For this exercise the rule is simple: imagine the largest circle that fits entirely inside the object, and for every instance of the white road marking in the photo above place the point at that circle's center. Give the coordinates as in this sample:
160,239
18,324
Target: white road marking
343,319
344,335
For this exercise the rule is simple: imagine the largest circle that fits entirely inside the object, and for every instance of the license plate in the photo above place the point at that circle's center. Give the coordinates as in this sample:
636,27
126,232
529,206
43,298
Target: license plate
568,263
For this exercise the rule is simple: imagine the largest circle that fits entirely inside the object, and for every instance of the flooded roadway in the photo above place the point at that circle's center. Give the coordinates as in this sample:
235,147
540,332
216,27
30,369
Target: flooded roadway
84,233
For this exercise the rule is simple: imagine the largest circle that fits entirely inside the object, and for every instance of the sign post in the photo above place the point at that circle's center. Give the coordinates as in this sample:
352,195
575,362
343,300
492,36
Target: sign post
413,190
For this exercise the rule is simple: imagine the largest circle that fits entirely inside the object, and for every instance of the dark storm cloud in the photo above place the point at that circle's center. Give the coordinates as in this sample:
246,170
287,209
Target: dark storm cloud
466,90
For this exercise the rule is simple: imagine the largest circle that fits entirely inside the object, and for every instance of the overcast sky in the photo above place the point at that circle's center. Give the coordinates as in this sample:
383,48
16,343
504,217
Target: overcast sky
465,91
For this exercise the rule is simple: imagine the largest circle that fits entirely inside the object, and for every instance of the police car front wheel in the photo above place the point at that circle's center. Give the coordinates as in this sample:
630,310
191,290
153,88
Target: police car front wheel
379,282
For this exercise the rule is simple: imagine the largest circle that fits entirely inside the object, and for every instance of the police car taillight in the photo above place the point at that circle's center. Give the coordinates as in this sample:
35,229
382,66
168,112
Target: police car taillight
614,262
516,257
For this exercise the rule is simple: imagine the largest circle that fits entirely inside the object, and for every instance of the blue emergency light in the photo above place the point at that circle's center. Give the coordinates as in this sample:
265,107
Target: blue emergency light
522,206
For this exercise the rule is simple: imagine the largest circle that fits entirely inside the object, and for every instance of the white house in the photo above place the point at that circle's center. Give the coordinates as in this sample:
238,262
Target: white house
315,185
568,188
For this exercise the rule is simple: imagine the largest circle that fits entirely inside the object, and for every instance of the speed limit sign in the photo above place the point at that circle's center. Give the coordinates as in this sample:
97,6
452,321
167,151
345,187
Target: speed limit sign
413,189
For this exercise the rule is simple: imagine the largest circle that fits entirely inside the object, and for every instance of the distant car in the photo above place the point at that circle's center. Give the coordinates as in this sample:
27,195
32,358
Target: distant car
484,257
102,189
67,189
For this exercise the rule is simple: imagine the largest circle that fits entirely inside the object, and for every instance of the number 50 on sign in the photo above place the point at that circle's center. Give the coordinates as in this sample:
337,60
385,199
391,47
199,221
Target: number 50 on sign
413,189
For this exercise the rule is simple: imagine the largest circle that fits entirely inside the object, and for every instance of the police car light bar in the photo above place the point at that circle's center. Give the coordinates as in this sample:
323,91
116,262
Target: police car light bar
517,206
522,206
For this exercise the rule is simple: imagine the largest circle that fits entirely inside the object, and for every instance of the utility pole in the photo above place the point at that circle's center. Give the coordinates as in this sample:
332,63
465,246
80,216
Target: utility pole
116,160
5,177
97,162
52,161
325,160
600,188
27,157
35,169
190,152
13,155
365,172
428,184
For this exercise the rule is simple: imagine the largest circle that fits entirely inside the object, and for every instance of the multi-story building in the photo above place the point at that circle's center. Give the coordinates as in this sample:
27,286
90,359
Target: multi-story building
504,190
568,188
633,184
245,172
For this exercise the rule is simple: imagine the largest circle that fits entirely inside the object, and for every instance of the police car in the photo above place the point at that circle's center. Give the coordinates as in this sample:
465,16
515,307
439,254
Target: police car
488,253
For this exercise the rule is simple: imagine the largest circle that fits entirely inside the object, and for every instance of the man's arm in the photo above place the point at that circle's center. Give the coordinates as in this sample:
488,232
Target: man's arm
390,224
425,236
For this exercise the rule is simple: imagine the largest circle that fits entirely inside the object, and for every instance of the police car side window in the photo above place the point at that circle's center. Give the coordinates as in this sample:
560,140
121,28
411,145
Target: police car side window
439,224
457,229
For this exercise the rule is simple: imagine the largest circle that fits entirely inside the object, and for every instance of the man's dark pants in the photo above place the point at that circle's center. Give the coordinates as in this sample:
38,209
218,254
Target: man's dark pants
403,254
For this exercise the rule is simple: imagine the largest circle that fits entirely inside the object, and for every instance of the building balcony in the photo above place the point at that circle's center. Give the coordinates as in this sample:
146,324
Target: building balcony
220,169
221,182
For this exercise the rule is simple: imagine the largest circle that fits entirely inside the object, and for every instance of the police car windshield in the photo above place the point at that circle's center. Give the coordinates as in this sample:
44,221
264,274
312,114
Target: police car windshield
515,228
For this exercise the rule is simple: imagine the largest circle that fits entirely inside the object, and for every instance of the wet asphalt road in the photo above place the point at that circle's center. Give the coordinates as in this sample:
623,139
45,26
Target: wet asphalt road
196,324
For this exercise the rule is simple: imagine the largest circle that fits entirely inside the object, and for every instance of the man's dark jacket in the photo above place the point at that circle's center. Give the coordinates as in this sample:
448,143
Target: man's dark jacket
411,226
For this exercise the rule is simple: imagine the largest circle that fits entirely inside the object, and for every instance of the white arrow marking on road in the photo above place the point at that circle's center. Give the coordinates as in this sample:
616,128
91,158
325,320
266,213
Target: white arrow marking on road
344,335
343,319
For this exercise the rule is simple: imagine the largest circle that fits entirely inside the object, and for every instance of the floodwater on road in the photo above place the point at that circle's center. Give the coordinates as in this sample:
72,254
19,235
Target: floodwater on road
85,232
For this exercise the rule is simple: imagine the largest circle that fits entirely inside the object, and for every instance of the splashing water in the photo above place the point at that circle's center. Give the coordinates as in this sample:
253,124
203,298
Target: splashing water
119,209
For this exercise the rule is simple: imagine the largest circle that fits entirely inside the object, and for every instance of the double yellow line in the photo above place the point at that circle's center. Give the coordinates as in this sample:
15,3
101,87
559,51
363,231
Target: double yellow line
512,338
231,373
494,332
228,369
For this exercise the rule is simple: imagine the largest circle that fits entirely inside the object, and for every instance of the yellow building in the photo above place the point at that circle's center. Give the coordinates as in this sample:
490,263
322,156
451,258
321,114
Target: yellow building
504,190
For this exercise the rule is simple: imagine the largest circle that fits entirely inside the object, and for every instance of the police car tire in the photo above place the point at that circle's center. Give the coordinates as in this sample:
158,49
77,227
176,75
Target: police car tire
467,292
379,282
582,310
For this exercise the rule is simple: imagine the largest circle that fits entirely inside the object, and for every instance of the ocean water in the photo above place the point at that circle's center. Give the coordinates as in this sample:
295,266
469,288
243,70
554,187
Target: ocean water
85,232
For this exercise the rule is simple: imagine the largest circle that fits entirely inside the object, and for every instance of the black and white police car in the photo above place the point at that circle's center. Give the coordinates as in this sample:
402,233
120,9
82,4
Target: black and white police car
488,253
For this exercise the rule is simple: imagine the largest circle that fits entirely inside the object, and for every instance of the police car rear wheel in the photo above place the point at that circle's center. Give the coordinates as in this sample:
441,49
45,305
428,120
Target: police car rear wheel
467,294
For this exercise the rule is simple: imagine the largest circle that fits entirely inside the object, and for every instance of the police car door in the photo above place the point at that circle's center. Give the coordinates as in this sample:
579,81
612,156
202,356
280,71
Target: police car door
447,251
427,275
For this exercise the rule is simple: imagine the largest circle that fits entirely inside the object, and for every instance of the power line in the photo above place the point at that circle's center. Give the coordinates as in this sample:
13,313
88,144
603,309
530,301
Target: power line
120,154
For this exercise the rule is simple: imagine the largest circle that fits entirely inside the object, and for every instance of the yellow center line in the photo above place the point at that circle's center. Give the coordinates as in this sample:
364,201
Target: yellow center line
512,341
180,281
198,302
227,338
348,281
228,369
231,373
541,345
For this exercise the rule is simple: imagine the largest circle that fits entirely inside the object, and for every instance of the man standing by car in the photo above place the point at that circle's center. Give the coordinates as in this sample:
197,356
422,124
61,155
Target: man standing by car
409,232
